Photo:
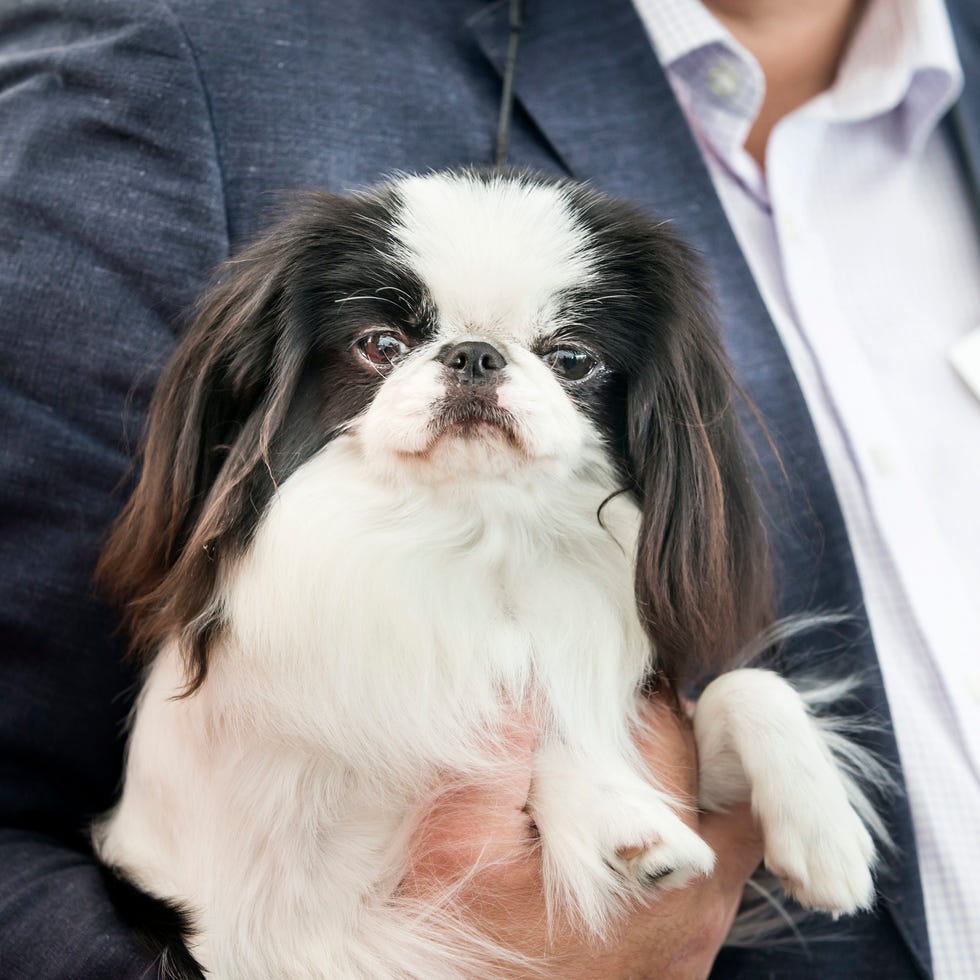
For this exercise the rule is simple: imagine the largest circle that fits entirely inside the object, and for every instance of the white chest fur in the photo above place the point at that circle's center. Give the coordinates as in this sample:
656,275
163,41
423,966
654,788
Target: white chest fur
373,633
409,611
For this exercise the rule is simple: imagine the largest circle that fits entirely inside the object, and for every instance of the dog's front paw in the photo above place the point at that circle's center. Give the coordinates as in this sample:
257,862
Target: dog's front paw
819,849
667,858
757,739
607,837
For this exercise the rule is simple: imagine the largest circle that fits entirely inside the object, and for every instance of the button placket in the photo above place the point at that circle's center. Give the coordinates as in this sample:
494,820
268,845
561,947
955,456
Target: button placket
893,491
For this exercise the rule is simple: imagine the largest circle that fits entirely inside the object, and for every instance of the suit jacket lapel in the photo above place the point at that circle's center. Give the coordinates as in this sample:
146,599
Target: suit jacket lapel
588,80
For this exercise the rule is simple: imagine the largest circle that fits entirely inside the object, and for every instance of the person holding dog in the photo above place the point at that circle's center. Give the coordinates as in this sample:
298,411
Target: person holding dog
824,158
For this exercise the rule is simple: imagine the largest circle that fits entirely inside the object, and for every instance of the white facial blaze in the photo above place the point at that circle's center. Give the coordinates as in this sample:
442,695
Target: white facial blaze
496,255
496,258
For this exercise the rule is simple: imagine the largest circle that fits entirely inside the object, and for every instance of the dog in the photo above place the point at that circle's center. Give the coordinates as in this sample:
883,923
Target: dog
463,441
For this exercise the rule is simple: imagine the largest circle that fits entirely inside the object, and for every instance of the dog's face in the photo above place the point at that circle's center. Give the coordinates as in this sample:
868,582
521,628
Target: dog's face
463,329
479,360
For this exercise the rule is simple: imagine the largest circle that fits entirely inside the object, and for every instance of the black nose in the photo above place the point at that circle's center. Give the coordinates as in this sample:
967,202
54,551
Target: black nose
473,362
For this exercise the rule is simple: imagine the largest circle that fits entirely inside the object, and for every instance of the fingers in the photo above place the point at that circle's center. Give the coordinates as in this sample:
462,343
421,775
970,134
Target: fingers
666,743
736,839
668,747
468,824
474,847
689,926
737,842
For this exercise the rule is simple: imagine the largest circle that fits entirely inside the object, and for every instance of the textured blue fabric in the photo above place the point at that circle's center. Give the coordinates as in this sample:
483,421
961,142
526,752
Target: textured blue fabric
140,143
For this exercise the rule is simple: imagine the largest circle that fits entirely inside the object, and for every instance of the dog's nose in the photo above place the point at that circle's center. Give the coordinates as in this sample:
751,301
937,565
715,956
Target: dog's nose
473,362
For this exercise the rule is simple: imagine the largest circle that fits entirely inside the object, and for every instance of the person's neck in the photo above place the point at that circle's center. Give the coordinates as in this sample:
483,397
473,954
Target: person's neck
799,45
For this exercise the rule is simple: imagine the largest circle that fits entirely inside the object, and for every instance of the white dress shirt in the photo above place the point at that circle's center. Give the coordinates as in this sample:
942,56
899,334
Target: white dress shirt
862,239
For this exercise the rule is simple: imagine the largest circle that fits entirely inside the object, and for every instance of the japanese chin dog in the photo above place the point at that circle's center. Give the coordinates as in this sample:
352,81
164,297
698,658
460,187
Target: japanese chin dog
458,443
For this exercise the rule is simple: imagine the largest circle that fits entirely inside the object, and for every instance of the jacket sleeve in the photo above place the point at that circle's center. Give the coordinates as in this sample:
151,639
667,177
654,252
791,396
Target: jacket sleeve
111,220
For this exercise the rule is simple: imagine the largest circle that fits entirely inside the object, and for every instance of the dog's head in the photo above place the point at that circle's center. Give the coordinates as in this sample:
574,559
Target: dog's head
464,328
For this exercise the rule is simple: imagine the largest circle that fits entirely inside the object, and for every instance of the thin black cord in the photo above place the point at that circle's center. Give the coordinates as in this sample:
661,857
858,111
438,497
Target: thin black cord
507,93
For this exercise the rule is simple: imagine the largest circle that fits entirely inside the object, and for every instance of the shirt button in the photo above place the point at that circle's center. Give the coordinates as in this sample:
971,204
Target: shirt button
882,460
723,79
973,686
791,230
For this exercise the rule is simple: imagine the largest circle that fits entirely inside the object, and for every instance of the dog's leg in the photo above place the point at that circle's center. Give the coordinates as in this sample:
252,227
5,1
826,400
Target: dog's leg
606,833
757,742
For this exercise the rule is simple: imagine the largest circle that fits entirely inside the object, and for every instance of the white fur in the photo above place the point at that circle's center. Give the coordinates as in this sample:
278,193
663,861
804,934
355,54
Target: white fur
375,631
757,741
401,589
495,258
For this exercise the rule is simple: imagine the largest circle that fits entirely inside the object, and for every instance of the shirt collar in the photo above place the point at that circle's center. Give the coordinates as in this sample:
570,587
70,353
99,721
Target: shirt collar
718,83
902,59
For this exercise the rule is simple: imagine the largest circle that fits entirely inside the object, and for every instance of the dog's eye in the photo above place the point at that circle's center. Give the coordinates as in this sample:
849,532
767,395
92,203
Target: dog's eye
382,349
570,363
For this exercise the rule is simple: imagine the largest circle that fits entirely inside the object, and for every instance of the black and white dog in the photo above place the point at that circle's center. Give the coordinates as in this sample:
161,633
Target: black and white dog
457,443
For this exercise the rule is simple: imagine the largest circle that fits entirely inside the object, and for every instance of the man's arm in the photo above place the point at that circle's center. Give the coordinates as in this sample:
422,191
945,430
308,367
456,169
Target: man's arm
111,218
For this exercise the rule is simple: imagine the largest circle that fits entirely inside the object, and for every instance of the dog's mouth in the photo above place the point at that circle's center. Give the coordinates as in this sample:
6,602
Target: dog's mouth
474,416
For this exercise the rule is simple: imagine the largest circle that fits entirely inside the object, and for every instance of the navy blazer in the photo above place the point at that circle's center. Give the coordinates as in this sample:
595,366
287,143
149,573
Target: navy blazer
143,141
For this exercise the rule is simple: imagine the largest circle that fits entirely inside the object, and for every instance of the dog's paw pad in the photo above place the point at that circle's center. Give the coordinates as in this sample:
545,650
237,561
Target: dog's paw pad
667,860
630,852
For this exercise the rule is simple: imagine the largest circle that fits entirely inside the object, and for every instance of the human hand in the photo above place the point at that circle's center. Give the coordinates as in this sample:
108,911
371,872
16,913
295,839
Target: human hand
483,837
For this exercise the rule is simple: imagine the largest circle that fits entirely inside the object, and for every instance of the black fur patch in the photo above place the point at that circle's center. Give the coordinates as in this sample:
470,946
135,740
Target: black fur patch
161,926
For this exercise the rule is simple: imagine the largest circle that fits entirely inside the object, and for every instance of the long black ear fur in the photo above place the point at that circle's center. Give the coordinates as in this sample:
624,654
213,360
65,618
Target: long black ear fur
206,459
703,574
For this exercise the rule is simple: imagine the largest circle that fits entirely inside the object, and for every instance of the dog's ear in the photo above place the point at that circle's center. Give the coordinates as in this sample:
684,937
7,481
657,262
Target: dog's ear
703,575
213,415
